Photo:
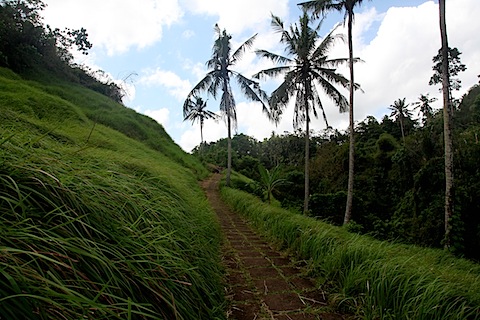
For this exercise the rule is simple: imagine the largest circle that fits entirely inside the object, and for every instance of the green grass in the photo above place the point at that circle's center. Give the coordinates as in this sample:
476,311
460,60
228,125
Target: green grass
99,224
373,279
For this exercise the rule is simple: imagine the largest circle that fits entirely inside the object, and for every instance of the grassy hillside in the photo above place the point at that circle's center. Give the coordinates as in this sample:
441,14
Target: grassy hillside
101,213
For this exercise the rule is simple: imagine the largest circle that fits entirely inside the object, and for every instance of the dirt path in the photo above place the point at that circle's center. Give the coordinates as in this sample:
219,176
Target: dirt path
262,283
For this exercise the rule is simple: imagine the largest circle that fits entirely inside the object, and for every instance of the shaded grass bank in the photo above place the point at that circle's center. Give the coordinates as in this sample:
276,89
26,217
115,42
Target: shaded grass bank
375,280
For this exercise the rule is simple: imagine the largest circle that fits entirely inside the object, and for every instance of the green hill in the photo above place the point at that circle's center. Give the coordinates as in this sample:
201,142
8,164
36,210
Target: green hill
101,213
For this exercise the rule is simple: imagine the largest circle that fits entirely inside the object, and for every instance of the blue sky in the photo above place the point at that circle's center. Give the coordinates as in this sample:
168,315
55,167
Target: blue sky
157,49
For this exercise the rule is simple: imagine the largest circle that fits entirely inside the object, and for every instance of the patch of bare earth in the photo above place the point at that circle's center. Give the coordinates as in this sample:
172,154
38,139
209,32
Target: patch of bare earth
261,282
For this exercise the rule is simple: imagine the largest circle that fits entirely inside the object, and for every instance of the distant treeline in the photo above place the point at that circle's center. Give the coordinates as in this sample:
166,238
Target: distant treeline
399,182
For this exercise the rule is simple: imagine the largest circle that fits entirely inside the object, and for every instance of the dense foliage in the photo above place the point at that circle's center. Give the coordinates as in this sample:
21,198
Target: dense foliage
34,50
399,182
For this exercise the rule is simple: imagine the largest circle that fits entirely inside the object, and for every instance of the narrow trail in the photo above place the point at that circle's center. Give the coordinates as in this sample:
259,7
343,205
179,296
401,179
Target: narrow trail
261,282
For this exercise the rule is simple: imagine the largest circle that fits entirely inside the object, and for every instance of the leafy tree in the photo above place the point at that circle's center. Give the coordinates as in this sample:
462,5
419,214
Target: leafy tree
424,107
218,79
24,41
309,66
400,112
321,7
196,110
455,66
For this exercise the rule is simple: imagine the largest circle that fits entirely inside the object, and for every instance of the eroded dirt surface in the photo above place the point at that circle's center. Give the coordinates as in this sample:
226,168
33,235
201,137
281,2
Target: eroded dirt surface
261,282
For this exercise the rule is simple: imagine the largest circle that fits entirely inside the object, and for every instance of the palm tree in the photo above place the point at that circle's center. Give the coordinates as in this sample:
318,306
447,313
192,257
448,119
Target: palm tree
196,110
321,7
218,79
424,107
308,67
400,112
447,133
270,180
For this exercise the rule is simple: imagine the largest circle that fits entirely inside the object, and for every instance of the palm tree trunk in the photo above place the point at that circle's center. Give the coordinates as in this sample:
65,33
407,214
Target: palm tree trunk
229,149
401,128
447,133
307,158
351,151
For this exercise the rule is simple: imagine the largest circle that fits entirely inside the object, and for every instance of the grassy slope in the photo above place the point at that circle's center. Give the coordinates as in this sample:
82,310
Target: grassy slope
377,280
97,223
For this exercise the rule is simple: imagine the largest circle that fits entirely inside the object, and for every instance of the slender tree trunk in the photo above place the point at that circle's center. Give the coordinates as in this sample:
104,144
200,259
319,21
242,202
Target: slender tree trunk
447,133
307,165
229,149
200,150
401,128
351,150
307,158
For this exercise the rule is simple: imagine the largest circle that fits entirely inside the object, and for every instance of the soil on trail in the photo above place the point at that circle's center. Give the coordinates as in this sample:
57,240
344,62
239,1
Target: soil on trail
261,282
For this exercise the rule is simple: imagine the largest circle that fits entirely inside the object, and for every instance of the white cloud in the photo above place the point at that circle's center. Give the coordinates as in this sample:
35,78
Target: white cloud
115,26
187,34
398,62
198,70
162,116
177,87
237,16
212,131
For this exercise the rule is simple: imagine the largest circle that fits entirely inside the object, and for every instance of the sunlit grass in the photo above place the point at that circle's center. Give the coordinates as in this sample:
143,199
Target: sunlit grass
373,279
111,227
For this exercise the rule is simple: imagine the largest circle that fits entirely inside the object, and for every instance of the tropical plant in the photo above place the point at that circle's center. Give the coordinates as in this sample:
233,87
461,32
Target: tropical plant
447,132
218,79
307,67
196,110
424,107
270,180
455,66
400,113
321,7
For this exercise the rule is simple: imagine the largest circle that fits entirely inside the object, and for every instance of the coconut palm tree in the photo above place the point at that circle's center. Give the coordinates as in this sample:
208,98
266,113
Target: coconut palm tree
400,112
306,67
424,107
196,110
321,7
447,132
218,80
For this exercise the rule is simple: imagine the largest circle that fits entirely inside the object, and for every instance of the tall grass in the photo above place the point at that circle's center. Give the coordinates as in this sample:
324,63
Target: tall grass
111,228
376,280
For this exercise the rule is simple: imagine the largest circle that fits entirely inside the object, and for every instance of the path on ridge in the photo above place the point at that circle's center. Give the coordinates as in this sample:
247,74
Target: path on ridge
261,282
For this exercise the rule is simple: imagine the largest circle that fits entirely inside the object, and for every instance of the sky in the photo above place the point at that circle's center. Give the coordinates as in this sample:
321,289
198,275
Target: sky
156,51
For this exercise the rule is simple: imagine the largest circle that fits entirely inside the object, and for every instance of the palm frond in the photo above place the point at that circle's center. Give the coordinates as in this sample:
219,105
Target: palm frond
277,24
276,58
227,105
319,104
332,92
253,92
237,55
272,72
300,109
317,7
215,85
327,43
201,86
